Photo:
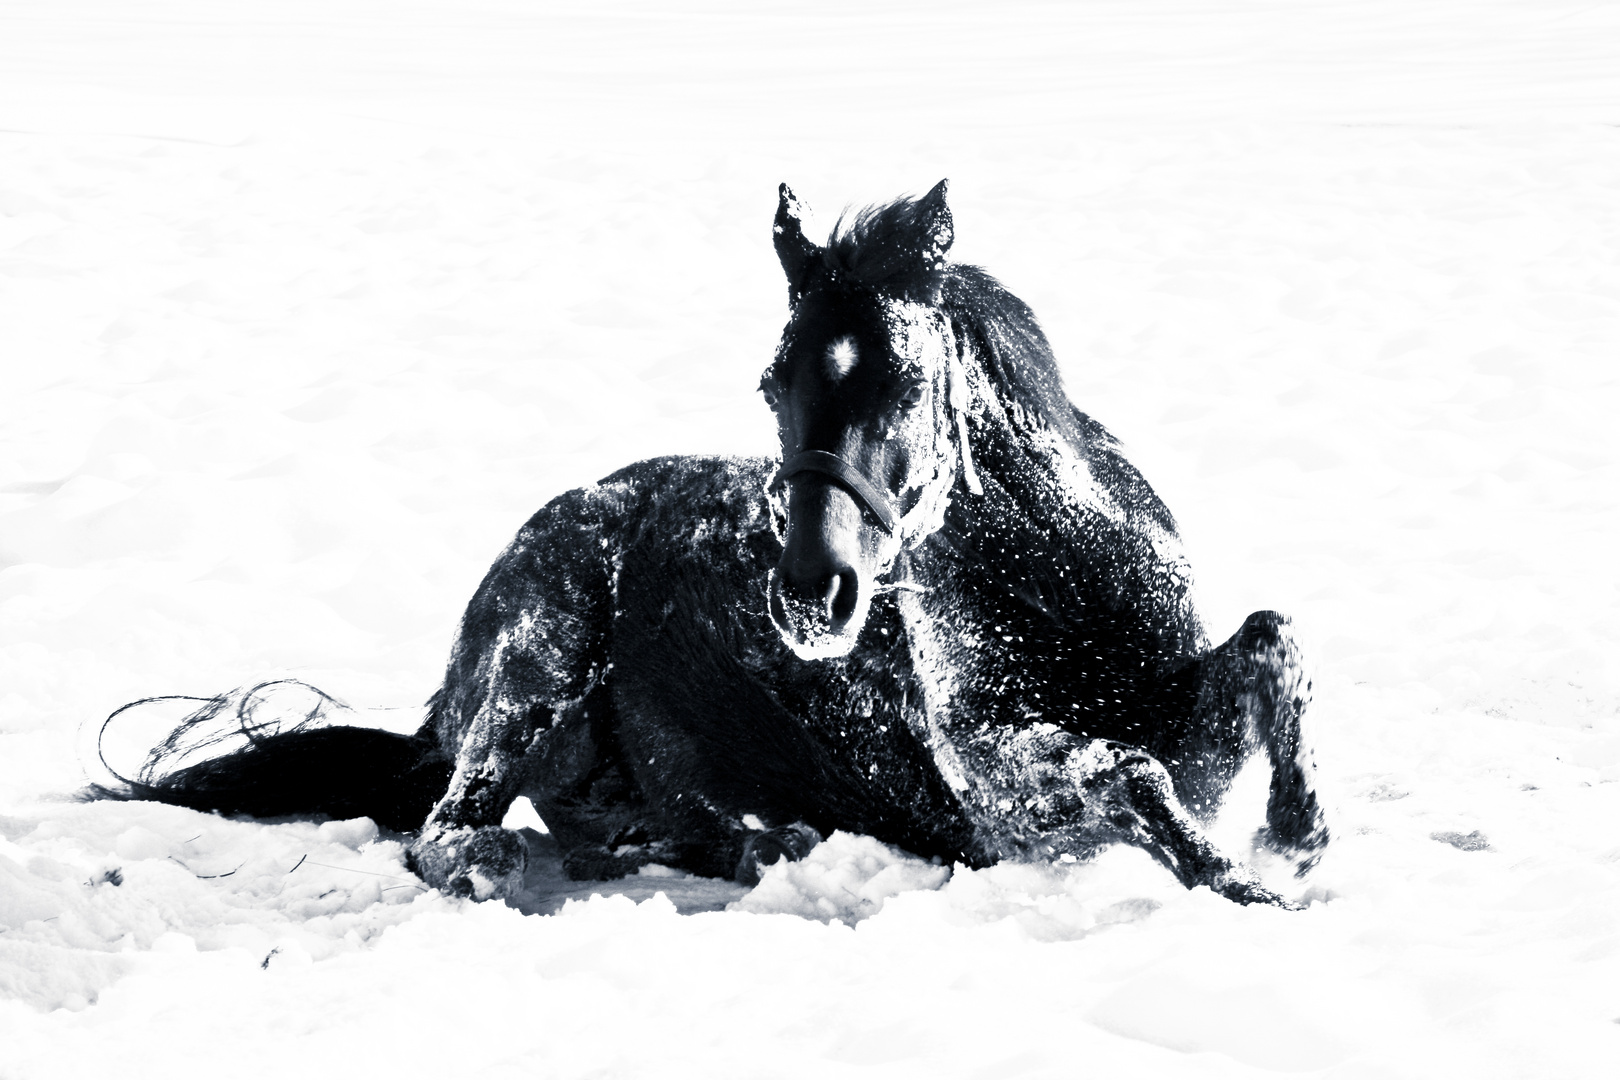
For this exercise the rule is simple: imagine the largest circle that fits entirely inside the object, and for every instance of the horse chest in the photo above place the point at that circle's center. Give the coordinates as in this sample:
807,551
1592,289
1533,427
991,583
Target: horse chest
1019,642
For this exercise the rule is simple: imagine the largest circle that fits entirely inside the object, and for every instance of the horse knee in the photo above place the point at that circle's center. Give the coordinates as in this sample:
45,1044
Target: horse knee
1266,642
1263,669
1124,789
1264,627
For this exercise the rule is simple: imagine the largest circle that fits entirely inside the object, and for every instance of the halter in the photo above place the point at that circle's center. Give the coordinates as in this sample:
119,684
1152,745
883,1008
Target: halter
873,499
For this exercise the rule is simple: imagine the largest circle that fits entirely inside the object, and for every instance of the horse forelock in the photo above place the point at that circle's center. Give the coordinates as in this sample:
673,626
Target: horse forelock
889,247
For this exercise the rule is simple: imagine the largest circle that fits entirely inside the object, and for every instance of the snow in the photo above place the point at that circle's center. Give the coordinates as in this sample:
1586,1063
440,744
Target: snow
307,306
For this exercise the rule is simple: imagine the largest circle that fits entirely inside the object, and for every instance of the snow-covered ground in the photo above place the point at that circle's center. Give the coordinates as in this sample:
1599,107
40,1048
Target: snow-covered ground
305,306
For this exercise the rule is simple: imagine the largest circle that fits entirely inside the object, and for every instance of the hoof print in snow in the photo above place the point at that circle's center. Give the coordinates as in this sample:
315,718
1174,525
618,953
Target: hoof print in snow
1473,841
1128,911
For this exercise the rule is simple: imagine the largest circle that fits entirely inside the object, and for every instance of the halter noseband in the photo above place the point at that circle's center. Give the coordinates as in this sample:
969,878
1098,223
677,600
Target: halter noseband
873,499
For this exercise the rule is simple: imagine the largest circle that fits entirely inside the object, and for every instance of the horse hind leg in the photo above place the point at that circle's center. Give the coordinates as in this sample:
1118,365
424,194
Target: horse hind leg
1252,695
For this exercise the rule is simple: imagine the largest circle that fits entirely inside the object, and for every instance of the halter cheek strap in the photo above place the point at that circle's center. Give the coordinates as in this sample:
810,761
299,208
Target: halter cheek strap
873,499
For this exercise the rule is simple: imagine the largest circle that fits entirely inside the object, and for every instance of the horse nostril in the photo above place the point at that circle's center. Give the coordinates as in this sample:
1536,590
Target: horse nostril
829,599
843,591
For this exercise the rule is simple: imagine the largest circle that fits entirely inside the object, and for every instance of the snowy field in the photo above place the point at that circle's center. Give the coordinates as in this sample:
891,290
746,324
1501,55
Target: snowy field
306,306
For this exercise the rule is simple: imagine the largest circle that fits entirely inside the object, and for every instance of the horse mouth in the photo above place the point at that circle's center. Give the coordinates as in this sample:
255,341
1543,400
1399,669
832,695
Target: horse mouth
822,622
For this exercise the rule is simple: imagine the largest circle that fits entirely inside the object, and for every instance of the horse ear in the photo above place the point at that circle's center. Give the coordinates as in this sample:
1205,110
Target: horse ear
793,248
935,229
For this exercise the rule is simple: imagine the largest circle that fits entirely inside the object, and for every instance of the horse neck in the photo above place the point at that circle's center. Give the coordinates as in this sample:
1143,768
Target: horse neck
1064,529
1046,494
1035,481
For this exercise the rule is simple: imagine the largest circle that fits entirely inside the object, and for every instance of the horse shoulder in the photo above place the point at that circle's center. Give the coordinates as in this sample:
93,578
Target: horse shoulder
539,623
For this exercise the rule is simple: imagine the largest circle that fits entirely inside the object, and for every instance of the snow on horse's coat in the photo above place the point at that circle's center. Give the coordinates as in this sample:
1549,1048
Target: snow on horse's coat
951,615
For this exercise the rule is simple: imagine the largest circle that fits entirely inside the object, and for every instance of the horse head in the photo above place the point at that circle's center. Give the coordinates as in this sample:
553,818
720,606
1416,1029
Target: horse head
867,387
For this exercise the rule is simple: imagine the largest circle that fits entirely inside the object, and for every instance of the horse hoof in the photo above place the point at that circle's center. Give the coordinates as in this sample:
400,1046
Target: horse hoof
790,842
1241,885
477,864
1297,836
1249,892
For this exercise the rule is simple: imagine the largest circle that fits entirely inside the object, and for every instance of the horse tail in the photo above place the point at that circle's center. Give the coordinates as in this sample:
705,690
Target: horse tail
274,750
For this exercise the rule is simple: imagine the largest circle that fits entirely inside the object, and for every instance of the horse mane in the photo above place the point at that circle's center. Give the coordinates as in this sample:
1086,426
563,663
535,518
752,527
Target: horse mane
1016,355
1020,364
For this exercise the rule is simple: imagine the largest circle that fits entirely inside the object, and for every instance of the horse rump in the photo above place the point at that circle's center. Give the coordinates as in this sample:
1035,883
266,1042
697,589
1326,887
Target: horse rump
274,751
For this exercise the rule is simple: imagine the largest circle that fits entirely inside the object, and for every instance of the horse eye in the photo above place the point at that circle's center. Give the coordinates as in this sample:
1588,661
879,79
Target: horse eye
911,397
770,396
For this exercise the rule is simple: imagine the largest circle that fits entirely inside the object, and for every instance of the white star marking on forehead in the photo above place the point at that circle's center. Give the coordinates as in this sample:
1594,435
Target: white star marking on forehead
841,358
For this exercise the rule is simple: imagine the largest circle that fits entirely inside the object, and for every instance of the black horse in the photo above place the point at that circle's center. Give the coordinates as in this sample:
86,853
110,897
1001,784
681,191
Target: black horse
952,616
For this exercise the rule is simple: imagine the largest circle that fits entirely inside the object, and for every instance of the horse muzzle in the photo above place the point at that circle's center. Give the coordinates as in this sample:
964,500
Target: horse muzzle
819,621
819,595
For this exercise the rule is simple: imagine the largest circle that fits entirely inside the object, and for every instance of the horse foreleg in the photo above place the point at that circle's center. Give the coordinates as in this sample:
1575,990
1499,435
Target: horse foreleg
1063,794
463,849
1252,694
531,650
1127,795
